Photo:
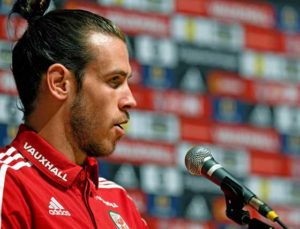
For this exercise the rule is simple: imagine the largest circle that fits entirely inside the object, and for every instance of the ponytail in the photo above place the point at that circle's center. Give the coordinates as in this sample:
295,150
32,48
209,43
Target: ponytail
30,9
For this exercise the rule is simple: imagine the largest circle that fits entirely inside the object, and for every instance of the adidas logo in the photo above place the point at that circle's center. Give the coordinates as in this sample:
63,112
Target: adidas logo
55,208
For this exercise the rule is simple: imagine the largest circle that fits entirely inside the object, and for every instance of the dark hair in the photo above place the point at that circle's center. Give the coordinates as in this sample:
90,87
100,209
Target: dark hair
59,36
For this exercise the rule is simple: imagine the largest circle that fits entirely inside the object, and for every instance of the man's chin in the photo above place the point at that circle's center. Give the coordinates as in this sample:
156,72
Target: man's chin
101,152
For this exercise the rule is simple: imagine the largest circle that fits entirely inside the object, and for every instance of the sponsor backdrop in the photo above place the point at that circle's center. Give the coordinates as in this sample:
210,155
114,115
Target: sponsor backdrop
220,73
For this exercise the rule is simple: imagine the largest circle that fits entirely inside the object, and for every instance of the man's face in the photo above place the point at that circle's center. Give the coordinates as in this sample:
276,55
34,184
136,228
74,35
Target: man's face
101,106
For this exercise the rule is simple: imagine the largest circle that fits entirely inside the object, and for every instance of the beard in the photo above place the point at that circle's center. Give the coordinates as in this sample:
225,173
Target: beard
83,130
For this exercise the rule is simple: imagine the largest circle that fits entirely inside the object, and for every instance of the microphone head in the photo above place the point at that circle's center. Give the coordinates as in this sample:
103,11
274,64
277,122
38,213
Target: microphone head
195,158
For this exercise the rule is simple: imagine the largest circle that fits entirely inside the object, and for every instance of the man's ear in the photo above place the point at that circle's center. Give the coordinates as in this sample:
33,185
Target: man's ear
59,81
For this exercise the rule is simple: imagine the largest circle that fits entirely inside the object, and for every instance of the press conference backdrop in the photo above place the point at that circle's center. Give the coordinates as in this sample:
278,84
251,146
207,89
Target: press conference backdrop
218,73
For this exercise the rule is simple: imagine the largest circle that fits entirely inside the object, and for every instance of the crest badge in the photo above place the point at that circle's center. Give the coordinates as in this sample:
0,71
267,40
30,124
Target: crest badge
118,220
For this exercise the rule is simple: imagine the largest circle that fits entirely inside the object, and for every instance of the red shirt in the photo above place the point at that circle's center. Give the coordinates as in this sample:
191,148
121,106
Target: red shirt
41,188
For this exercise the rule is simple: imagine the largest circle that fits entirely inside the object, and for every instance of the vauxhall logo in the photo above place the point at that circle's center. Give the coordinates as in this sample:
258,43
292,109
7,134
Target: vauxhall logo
47,164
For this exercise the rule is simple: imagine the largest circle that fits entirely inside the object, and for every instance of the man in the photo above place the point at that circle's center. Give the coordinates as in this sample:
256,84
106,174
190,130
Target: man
71,69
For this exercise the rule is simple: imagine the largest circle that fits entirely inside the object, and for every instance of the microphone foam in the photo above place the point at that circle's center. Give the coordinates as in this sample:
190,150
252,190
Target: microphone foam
195,158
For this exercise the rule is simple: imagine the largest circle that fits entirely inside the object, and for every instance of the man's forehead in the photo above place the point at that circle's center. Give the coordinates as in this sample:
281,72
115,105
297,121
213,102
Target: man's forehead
100,38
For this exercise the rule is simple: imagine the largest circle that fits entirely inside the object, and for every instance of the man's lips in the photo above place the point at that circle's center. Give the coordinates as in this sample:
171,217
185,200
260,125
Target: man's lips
119,130
119,127
120,124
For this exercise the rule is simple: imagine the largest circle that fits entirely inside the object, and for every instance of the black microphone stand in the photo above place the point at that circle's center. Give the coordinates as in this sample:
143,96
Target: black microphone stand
234,206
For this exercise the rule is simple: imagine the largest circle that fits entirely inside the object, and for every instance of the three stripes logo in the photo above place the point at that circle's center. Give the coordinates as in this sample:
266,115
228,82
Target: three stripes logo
55,208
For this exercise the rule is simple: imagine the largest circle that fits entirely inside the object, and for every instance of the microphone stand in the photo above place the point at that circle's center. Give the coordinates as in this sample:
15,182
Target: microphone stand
234,206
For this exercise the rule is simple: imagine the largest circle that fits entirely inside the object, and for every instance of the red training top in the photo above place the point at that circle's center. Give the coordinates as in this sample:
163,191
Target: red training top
40,188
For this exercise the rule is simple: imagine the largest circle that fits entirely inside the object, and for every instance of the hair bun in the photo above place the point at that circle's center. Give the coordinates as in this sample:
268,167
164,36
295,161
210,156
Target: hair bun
30,9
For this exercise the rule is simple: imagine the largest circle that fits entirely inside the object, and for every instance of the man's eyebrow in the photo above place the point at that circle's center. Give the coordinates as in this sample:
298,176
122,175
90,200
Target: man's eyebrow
120,72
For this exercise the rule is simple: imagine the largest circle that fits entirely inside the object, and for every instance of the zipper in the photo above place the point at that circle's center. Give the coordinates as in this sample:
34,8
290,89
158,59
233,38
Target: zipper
86,201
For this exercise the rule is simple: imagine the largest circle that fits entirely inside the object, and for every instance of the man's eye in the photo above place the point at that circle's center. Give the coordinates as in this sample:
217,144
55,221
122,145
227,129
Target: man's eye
115,81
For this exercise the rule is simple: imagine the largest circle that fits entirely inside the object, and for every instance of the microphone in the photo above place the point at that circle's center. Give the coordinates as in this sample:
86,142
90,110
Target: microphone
199,161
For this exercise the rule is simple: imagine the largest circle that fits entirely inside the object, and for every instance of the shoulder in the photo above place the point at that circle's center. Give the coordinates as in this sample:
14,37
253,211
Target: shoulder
12,162
107,184
113,191
12,180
